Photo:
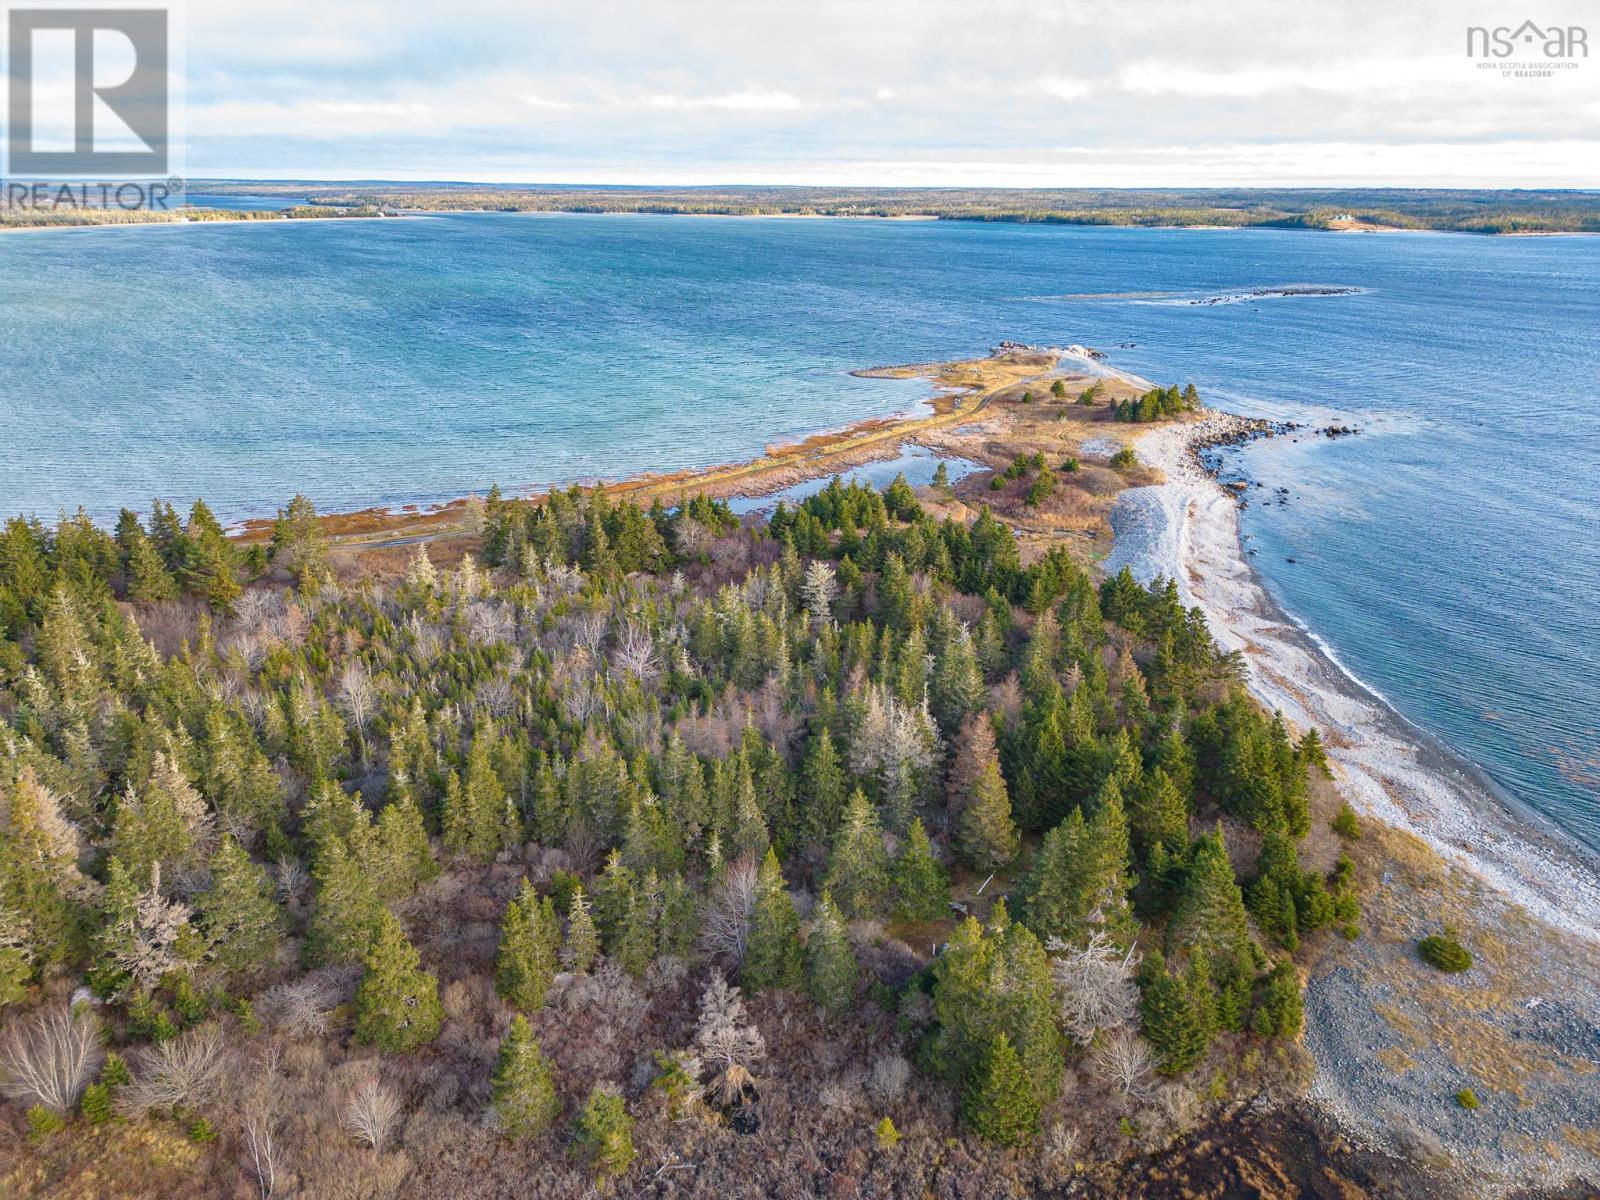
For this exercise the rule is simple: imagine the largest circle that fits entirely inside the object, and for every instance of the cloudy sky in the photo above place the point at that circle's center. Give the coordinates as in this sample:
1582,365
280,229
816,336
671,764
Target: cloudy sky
924,92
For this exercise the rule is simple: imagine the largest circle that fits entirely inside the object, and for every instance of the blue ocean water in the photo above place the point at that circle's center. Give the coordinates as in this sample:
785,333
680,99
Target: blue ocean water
1448,554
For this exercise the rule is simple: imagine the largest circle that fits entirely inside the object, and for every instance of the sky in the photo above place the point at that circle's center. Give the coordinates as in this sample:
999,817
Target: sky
888,92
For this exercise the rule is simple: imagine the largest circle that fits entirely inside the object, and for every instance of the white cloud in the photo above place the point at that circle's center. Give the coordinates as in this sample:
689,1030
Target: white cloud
920,91
770,101
1061,87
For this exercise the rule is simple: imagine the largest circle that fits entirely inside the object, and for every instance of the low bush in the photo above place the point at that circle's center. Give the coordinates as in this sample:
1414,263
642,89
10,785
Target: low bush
1443,952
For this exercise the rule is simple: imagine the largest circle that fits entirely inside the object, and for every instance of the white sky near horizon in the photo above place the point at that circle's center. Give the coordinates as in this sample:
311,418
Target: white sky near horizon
888,92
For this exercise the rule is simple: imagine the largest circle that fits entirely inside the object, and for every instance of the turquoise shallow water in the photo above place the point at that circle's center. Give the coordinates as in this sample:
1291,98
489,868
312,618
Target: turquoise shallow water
1449,555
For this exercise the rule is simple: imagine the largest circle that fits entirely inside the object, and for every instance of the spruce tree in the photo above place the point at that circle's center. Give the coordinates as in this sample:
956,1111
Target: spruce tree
858,869
160,821
405,855
987,838
1157,813
1209,915
602,1135
1281,1011
524,1093
1172,1015
633,946
830,963
345,907
148,577
530,939
772,957
582,945
39,877
241,922
823,786
999,1103
922,891
397,1002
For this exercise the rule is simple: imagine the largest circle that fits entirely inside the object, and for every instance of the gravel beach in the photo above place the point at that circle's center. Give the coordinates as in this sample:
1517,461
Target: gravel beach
1393,1040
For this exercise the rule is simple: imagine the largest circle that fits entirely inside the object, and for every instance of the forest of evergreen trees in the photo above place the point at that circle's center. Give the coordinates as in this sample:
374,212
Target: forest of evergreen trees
742,758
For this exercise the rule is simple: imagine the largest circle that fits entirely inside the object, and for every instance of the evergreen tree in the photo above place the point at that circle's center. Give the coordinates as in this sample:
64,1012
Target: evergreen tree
530,939
161,822
603,1133
996,980
1079,879
823,786
582,945
1174,1015
987,838
405,856
1158,814
1281,1011
298,543
523,1091
1209,916
922,892
39,877
241,923
858,869
772,951
148,577
830,963
397,1003
633,948
999,1104
346,906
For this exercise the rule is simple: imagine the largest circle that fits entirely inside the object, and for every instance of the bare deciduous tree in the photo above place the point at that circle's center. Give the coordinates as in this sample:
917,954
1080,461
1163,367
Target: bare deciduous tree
1095,986
186,1070
589,632
636,652
888,1078
358,697
1059,1151
371,1112
1125,1060
261,1152
727,916
302,1007
50,1057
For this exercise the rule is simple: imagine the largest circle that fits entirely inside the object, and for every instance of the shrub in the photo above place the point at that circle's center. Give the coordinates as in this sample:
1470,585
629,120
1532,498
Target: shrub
1071,465
42,1122
888,1135
96,1104
1058,389
1467,1098
1125,458
200,1131
1443,952
1027,397
1345,822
